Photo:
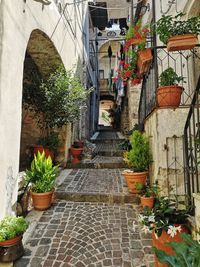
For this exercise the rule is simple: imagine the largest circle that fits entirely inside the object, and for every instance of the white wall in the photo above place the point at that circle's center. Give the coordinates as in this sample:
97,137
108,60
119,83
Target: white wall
18,21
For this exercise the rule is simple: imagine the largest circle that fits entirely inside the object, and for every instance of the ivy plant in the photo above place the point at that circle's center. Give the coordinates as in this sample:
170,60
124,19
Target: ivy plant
168,26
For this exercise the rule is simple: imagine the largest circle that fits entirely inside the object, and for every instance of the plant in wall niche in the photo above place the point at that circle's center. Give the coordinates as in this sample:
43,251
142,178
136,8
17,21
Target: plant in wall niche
178,34
186,253
138,160
169,92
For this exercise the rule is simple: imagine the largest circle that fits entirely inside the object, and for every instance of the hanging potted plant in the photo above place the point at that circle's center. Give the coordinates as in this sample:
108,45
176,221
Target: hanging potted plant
169,92
136,35
138,160
11,234
166,224
178,34
41,175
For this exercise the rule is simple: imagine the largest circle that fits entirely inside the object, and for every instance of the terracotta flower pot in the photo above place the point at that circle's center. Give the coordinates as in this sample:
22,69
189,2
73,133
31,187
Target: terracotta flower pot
132,178
182,42
42,201
47,151
144,60
11,242
76,152
79,143
147,201
169,96
159,243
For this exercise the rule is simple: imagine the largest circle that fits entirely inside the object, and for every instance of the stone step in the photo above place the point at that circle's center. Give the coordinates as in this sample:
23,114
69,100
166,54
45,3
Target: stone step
118,153
102,198
106,141
97,165
90,185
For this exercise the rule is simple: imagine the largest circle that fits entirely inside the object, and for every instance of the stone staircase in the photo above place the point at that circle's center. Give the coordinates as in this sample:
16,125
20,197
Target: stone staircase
100,179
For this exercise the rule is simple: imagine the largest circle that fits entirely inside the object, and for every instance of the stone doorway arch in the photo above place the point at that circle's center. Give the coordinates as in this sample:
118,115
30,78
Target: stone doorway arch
41,59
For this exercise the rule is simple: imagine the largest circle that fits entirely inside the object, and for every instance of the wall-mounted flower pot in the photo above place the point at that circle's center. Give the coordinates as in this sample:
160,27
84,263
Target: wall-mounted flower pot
182,42
133,178
42,201
169,96
76,152
144,60
147,201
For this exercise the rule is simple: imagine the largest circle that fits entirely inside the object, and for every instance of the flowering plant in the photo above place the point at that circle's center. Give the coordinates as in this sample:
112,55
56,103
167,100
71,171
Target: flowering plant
136,35
164,216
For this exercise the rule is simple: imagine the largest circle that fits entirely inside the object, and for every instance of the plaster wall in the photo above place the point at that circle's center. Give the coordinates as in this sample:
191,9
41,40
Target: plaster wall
17,22
133,103
165,129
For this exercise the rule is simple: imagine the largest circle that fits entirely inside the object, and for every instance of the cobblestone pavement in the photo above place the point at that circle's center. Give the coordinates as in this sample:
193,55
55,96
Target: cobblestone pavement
87,234
108,181
102,159
96,232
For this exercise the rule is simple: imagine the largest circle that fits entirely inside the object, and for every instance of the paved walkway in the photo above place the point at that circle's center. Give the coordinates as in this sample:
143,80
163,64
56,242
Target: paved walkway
94,229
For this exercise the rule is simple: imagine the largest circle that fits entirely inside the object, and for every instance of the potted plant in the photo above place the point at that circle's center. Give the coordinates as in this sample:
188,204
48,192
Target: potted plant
48,144
138,160
186,254
11,230
58,101
169,92
148,195
76,150
42,175
166,224
178,34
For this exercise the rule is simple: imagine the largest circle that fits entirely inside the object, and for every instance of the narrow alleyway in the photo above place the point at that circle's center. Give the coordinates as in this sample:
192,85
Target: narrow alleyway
91,222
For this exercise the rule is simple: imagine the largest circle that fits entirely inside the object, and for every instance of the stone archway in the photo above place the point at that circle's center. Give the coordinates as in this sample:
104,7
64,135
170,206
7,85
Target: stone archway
41,59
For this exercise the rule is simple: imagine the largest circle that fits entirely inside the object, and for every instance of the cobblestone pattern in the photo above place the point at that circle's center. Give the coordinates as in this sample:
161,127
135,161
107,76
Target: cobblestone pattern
107,135
107,181
108,149
104,159
87,234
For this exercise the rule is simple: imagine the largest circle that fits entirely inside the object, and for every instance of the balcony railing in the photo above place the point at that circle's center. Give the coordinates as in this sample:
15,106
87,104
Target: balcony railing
184,64
192,145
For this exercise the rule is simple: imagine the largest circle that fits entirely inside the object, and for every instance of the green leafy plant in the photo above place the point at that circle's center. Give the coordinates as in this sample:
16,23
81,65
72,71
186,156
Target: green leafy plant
11,227
169,77
51,141
139,157
42,174
163,216
168,26
186,253
57,101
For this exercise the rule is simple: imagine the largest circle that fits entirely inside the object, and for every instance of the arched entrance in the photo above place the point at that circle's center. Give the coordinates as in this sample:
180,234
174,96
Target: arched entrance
41,59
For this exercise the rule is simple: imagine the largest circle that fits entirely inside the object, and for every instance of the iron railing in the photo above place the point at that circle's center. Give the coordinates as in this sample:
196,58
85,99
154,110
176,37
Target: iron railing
192,145
183,62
